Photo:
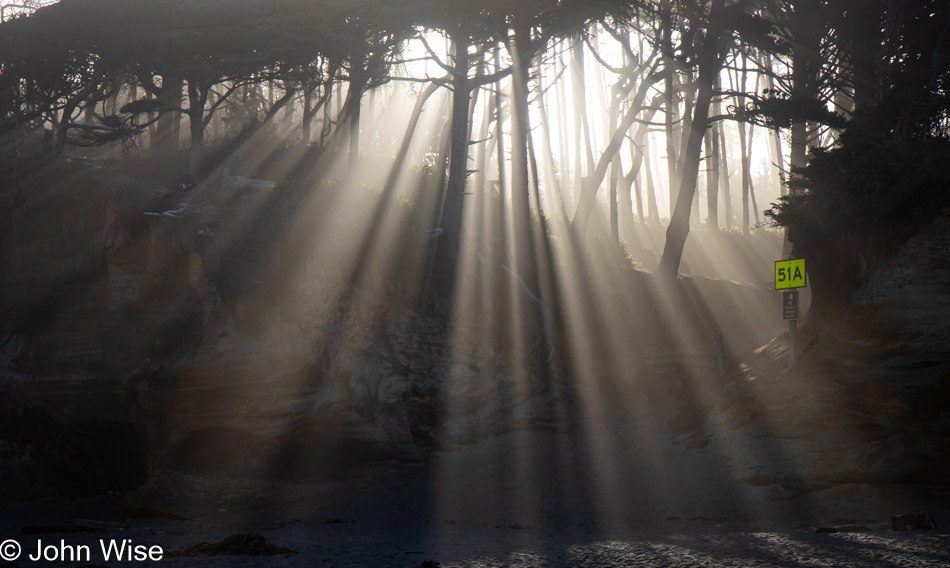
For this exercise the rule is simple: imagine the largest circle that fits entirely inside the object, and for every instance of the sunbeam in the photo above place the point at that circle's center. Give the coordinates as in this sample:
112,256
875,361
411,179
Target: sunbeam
477,284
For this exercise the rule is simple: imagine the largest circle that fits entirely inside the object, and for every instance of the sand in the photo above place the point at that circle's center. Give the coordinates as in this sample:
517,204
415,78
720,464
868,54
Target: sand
632,496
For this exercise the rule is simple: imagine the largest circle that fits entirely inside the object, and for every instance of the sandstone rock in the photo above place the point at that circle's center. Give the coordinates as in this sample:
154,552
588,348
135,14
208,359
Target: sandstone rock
365,383
41,453
498,416
463,390
391,389
880,452
214,355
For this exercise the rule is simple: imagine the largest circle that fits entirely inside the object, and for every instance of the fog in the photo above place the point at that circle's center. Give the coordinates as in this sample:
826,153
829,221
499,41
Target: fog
439,271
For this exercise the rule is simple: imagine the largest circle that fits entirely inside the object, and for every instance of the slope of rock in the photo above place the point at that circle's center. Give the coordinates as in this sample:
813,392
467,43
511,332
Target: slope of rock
866,409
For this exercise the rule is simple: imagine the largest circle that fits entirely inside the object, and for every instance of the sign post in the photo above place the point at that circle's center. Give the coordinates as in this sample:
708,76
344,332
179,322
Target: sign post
789,276
790,305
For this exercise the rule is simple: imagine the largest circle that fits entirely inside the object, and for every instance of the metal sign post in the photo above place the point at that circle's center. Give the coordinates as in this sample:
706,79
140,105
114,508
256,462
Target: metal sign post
790,312
789,276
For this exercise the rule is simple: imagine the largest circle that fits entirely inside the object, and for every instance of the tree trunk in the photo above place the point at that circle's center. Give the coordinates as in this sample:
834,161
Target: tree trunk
581,124
672,159
168,125
614,170
636,179
689,95
709,67
500,133
327,126
529,313
589,195
62,127
697,197
483,149
369,119
403,153
669,98
354,99
339,99
552,187
307,117
152,128
804,61
216,126
679,222
564,162
636,184
627,223
712,176
724,178
744,154
775,134
804,71
448,246
755,207
533,170
651,189
197,99
745,164
286,121
865,50
286,100
519,145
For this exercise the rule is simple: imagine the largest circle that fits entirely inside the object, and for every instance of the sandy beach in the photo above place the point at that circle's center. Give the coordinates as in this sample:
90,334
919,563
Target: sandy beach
520,499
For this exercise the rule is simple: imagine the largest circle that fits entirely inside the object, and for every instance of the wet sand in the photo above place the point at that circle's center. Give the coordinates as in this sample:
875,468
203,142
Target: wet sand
631,497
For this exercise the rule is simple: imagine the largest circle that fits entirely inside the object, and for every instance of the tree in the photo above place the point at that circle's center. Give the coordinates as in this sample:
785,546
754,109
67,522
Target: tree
51,69
182,42
715,28
524,28
467,27
371,32
12,8
886,177
638,75
643,67
64,56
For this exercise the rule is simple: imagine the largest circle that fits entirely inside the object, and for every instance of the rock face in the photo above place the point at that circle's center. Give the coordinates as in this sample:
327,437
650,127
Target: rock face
159,336
261,406
91,288
155,335
866,409
41,454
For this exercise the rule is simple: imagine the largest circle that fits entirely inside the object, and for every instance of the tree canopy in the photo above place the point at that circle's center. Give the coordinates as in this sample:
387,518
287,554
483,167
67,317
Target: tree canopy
824,74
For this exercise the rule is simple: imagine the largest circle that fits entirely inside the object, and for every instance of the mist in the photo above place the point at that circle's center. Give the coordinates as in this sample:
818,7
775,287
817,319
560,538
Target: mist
475,283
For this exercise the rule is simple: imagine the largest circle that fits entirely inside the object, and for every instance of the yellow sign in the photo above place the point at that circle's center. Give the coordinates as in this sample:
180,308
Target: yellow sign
789,274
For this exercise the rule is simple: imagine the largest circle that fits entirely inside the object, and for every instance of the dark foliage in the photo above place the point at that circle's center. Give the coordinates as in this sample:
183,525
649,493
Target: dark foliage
886,177
874,181
861,200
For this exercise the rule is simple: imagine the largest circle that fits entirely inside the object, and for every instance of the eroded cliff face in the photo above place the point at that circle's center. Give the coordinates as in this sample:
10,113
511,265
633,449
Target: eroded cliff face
87,276
867,406
92,289
189,335
152,331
